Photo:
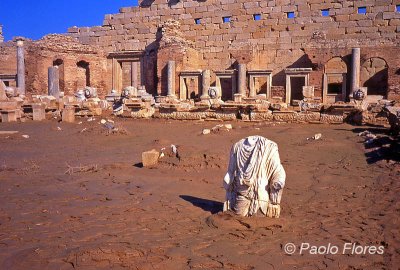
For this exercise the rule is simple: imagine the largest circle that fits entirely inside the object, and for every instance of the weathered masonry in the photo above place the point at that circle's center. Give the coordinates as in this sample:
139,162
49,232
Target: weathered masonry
247,48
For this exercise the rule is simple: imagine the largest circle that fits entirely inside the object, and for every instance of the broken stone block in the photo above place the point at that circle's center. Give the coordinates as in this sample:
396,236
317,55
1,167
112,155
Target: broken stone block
150,158
238,98
308,91
96,111
206,131
3,95
275,106
289,116
68,114
8,116
39,112
8,105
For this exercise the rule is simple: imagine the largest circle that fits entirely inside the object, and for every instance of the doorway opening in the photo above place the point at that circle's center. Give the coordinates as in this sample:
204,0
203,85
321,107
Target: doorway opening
83,75
296,84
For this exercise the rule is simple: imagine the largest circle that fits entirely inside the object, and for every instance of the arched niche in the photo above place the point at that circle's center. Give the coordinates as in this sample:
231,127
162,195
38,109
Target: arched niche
374,76
60,64
83,74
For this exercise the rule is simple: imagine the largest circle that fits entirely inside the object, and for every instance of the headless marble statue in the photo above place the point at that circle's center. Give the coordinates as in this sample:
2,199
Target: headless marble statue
255,178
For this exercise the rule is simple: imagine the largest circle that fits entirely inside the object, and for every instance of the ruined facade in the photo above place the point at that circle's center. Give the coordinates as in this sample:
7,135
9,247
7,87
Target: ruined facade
250,47
79,65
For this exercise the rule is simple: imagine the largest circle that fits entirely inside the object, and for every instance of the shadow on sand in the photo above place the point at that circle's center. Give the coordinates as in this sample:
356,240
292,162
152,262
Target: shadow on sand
207,205
384,147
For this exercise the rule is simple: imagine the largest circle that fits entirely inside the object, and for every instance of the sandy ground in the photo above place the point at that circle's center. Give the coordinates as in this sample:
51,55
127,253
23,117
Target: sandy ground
117,215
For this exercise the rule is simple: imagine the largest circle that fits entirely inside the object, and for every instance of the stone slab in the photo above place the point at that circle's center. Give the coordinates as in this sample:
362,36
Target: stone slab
68,114
39,112
8,116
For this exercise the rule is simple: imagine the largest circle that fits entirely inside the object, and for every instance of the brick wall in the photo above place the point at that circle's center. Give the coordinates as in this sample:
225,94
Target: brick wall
276,41
41,54
273,42
135,28
8,58
320,56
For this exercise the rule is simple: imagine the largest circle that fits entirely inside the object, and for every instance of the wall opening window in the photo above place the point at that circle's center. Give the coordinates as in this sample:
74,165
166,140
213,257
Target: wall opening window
60,64
397,8
335,88
362,10
83,75
197,21
290,15
325,12
226,19
257,17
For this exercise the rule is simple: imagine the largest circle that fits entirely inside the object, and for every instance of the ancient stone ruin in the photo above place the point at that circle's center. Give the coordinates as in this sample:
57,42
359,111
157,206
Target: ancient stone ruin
232,59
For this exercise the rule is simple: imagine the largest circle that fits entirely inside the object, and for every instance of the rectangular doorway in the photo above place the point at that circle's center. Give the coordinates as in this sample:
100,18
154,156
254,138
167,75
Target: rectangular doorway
130,75
226,89
296,88
261,85
334,87
127,69
189,87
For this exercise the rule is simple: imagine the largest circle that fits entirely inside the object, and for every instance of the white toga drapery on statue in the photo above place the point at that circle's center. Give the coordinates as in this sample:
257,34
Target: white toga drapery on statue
255,178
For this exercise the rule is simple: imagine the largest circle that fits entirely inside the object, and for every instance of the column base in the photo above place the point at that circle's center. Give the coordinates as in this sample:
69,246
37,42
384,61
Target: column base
238,97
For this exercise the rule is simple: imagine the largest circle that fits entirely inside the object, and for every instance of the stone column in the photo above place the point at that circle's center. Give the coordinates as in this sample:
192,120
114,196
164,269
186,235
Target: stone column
242,79
205,84
252,87
134,74
171,79
20,67
355,71
54,82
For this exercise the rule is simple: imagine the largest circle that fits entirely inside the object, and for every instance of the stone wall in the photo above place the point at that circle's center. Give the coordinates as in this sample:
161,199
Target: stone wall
275,41
173,46
62,51
387,54
260,34
8,58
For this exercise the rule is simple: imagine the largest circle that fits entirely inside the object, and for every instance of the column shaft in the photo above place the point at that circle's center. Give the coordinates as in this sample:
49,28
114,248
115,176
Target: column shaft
171,78
242,79
134,74
355,71
20,67
54,82
205,83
